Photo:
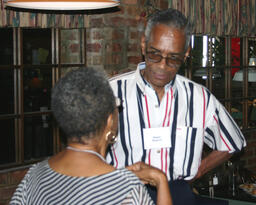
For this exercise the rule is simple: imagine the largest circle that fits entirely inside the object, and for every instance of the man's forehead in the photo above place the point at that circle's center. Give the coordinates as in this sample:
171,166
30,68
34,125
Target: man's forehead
168,38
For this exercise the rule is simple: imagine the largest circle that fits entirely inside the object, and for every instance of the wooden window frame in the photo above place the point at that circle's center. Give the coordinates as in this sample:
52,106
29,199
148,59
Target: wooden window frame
18,70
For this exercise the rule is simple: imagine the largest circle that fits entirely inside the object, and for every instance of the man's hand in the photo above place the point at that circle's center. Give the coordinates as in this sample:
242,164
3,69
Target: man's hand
214,159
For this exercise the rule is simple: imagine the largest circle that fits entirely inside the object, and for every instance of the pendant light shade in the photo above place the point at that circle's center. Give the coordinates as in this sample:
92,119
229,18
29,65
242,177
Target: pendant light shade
239,75
62,4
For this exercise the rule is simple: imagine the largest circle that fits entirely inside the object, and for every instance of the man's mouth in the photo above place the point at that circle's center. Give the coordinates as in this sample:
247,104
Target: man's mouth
160,76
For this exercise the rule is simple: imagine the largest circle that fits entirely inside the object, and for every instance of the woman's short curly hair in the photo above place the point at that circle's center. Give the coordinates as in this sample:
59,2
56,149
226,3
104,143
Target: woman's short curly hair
81,102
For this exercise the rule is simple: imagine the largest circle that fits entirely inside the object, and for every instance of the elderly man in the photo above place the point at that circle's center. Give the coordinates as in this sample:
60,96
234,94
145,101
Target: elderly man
166,118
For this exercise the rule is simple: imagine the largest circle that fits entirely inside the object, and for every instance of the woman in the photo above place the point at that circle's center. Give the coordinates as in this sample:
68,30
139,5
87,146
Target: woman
84,106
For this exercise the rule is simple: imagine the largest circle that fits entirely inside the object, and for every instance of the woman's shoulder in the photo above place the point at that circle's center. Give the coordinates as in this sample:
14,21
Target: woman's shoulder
128,177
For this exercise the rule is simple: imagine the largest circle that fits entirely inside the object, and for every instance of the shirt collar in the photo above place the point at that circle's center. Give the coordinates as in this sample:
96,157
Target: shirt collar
142,83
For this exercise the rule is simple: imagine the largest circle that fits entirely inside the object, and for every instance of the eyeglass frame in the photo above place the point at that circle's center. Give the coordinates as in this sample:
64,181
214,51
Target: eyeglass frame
166,58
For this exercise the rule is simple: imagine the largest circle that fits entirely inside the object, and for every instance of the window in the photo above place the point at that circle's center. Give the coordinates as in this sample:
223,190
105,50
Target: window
226,66
31,61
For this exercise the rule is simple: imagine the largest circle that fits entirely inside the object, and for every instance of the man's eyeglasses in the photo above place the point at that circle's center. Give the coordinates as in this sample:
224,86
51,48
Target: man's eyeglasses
171,60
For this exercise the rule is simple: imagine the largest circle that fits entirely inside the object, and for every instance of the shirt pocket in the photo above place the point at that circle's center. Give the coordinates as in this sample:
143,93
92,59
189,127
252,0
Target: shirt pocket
188,150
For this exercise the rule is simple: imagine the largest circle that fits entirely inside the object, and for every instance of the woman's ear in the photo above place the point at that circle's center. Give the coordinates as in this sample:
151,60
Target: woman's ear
110,122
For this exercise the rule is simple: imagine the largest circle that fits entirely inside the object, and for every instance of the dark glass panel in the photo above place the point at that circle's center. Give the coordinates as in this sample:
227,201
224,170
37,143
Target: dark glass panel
38,137
197,51
6,91
218,87
237,112
7,145
36,46
218,70
6,48
37,88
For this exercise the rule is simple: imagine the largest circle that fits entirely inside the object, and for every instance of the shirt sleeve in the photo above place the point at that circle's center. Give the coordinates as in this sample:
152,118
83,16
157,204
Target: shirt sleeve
221,131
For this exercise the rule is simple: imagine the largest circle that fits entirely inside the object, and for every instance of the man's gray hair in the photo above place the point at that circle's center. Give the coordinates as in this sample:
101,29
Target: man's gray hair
172,18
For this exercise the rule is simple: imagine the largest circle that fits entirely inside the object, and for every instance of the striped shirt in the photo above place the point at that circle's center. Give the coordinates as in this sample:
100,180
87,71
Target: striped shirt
42,185
193,115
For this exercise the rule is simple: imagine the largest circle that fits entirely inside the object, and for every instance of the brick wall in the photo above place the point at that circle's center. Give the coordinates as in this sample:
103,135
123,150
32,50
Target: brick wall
249,155
113,39
8,183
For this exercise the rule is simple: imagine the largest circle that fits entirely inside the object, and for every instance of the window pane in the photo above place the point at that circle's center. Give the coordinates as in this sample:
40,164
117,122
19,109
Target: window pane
252,82
252,103
7,145
37,46
198,59
72,50
37,87
6,91
218,62
6,48
38,137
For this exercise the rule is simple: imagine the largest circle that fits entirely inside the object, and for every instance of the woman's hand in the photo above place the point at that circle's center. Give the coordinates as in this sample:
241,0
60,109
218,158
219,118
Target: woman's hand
148,174
155,177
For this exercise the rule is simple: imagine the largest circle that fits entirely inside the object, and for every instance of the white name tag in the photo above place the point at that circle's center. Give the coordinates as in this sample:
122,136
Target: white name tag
155,138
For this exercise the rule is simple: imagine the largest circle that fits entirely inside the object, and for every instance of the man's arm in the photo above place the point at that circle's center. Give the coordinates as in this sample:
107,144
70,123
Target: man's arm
214,159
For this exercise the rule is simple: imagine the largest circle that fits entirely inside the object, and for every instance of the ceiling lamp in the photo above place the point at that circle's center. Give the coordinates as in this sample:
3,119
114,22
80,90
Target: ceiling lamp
62,4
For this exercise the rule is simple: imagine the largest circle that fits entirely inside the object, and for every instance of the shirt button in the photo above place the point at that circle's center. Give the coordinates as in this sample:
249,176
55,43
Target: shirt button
158,151
156,106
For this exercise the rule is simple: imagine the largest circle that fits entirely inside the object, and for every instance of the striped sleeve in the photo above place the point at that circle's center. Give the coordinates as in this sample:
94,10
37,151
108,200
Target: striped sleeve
20,194
222,133
138,195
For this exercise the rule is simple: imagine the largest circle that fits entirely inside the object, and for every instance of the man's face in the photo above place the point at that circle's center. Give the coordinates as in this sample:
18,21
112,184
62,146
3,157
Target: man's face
168,43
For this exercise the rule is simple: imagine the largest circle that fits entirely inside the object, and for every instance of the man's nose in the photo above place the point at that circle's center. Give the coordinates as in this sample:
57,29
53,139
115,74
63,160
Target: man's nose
162,63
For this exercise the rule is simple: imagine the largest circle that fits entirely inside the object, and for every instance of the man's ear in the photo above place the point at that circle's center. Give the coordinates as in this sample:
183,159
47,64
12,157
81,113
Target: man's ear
143,44
187,53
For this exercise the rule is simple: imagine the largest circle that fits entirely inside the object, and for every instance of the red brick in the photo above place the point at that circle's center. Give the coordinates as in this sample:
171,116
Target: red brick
5,202
251,144
97,35
116,21
132,11
7,192
114,47
17,176
134,59
96,22
248,153
118,34
132,22
252,161
93,47
134,35
4,179
114,59
129,1
163,4
134,47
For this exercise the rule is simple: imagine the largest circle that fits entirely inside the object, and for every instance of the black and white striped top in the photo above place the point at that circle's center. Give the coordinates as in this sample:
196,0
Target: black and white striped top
42,185
193,115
